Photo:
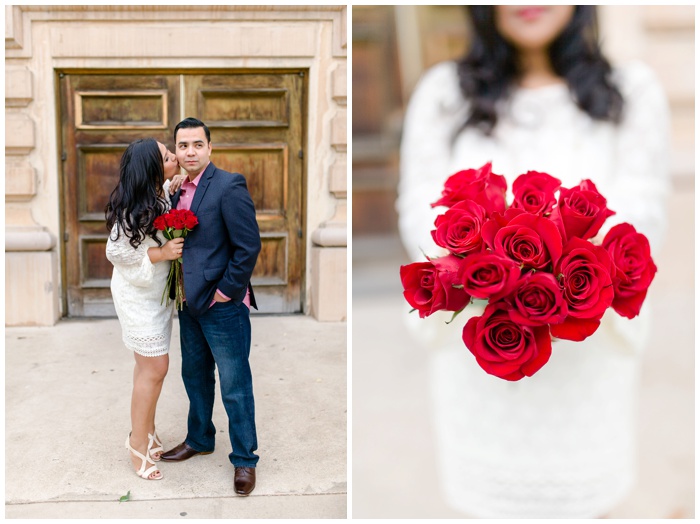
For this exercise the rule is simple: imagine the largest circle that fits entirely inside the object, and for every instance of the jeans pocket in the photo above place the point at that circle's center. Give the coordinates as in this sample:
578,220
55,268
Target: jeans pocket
224,304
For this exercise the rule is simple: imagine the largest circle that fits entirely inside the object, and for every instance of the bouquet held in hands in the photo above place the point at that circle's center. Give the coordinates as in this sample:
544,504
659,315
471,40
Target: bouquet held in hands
176,223
535,262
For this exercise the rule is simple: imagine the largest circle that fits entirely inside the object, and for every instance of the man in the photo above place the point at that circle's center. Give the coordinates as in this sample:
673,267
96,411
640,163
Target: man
219,255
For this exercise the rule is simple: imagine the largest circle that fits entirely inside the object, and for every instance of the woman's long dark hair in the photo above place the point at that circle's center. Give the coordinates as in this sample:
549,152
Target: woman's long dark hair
490,68
135,202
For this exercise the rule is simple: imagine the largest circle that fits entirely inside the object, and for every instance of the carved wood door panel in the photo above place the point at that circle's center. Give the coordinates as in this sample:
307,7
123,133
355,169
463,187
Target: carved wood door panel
256,124
101,116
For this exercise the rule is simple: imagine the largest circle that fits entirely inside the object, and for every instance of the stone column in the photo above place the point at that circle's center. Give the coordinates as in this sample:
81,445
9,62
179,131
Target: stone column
330,239
31,262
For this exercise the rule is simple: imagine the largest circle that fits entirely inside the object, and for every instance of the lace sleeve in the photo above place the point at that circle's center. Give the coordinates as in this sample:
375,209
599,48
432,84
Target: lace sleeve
431,118
133,264
641,183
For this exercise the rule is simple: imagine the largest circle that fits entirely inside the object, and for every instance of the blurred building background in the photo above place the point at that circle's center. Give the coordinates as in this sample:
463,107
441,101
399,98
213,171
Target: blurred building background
393,462
82,82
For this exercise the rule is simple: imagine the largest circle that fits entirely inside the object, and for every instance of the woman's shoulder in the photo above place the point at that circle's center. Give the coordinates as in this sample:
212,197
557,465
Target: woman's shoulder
644,97
114,232
442,77
121,233
634,76
440,72
117,234
439,84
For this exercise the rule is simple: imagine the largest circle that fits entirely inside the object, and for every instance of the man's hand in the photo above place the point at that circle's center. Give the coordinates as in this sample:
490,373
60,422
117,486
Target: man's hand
176,182
219,298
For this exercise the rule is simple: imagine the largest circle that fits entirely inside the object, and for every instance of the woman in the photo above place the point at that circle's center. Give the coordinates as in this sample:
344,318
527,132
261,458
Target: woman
141,259
535,93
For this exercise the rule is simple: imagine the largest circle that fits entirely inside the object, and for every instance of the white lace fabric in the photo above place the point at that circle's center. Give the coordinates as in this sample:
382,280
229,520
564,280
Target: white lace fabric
560,444
147,344
137,289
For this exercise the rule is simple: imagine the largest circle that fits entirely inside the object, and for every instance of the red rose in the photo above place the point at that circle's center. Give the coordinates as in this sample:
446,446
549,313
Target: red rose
581,212
537,301
505,348
159,223
480,185
459,228
168,217
488,276
190,220
534,192
178,219
634,268
531,240
428,286
586,280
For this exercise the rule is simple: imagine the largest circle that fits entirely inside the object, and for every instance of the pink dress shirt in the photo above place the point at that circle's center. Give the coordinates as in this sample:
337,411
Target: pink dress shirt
186,196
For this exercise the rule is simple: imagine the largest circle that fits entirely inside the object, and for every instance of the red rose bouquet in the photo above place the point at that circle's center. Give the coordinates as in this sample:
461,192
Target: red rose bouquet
175,223
536,263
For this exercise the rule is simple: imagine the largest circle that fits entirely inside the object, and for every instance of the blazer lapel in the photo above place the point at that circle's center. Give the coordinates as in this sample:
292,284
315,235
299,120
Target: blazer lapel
174,199
202,187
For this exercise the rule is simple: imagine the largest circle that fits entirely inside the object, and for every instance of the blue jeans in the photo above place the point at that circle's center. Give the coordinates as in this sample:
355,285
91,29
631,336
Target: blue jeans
221,338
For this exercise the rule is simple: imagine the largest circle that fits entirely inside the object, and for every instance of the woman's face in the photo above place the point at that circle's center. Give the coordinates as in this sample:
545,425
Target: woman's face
532,27
170,165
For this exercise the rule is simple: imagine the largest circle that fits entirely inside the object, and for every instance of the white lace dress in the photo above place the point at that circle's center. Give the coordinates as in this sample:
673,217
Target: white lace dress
561,443
137,287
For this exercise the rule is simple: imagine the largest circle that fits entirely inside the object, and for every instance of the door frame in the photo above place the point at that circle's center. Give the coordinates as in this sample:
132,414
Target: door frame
59,73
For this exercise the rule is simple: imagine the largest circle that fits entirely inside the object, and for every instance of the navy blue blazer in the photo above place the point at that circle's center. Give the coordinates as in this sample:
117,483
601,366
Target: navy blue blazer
221,251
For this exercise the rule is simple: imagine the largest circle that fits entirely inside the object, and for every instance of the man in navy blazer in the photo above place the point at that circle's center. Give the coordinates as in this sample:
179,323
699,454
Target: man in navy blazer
219,256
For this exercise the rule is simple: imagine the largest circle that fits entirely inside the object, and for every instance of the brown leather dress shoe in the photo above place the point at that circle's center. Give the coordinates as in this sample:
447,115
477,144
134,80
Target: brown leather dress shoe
244,481
182,452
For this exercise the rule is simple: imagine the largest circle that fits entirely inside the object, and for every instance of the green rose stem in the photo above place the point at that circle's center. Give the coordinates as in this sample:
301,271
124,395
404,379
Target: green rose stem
175,272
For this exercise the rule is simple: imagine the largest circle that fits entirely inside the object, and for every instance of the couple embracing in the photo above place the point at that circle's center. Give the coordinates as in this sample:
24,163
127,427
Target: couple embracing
218,258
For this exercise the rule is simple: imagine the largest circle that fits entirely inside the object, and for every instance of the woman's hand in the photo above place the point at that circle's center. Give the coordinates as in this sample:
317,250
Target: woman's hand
172,249
176,182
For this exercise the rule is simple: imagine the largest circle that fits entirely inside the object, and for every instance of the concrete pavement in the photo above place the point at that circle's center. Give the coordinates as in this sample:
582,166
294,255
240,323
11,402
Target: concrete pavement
67,397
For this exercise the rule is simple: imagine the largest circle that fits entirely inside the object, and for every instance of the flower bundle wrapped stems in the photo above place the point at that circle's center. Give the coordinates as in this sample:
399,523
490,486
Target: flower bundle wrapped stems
534,262
175,275
175,224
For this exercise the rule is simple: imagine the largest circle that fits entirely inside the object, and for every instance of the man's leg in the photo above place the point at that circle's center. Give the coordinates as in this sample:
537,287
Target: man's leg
227,329
198,376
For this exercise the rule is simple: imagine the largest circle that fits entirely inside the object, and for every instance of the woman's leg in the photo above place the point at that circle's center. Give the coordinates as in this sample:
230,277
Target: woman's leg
149,374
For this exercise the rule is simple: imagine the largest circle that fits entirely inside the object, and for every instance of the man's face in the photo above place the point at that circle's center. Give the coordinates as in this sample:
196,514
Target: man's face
192,149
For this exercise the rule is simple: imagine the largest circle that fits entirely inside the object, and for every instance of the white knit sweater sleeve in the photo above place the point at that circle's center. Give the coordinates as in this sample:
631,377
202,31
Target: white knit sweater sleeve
640,183
425,155
132,264
434,114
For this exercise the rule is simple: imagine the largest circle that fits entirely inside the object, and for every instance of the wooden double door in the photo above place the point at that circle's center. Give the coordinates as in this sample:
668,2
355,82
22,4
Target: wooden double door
257,127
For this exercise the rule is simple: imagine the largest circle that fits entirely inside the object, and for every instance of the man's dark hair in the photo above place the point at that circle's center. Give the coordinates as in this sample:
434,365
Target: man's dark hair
191,122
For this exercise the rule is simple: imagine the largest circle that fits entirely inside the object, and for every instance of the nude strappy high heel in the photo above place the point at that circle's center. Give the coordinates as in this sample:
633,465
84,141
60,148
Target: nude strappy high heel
153,439
143,472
